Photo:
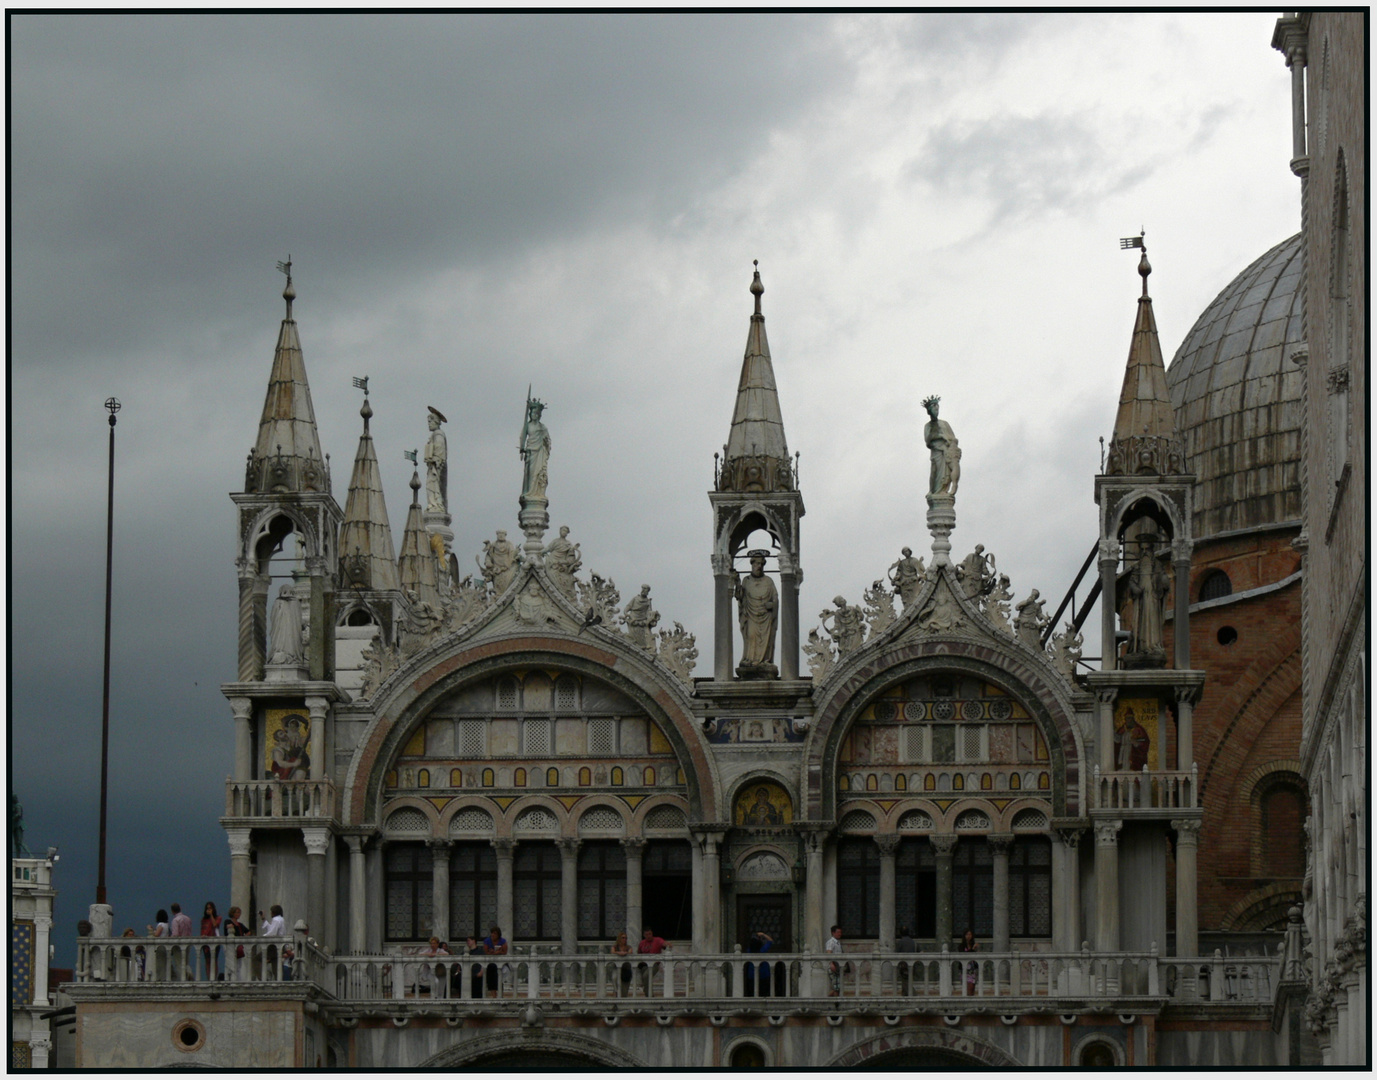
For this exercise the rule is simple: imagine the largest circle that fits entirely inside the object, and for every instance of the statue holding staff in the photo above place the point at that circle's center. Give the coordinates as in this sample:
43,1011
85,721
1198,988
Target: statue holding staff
945,472
534,448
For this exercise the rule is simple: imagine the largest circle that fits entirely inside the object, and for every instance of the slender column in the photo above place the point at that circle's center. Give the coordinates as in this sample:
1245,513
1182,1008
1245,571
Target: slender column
1181,620
712,891
1109,569
1295,60
358,897
568,894
439,888
317,841
789,578
241,873
321,629
700,938
1185,738
374,859
634,846
723,626
1107,885
1066,892
1104,703
813,930
505,849
1187,842
829,886
253,593
242,708
315,746
888,846
944,848
1000,843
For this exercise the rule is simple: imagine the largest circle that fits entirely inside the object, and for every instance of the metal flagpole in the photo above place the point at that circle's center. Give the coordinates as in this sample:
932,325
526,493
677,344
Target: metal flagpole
113,405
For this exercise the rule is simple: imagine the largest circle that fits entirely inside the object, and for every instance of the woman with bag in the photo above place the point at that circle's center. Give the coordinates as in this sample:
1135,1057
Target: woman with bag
210,927
232,927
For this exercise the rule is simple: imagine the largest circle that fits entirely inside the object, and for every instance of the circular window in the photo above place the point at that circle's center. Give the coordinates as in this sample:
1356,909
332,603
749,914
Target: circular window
1227,635
188,1035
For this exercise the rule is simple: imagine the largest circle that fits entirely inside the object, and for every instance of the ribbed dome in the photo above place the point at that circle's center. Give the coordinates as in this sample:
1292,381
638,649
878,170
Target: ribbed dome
1237,398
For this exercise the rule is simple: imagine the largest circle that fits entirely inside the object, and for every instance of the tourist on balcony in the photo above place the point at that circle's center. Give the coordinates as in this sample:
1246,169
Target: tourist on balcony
232,927
273,927
210,927
137,958
764,943
834,971
159,955
904,944
436,948
181,927
969,944
492,945
752,946
650,945
622,948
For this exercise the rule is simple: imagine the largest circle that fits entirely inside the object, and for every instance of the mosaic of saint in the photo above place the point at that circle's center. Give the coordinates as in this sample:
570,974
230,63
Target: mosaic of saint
286,736
1136,734
763,804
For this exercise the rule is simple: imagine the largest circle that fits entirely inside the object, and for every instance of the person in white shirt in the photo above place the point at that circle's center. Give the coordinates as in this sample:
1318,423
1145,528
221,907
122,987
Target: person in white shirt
273,927
834,945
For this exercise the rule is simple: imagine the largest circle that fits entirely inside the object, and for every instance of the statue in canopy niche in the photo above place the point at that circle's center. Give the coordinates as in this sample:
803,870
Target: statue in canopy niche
945,471
1147,586
285,630
759,607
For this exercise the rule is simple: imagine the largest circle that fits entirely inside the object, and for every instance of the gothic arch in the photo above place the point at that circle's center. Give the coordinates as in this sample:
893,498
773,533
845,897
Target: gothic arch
1004,666
872,1052
581,1051
738,524
261,528
1130,508
413,693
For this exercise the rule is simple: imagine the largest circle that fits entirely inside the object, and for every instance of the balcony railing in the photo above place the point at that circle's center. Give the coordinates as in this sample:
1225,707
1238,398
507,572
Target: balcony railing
290,799
945,980
1176,790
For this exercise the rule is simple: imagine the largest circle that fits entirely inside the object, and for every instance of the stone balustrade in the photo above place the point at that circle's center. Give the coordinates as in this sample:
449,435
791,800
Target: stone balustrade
280,799
1160,790
943,981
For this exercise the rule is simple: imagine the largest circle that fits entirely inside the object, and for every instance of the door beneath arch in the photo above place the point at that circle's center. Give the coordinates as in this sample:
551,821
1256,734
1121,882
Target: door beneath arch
771,912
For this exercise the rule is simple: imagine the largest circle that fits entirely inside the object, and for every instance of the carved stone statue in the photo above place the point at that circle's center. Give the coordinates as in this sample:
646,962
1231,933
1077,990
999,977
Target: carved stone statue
879,608
821,658
906,575
437,464
976,573
379,661
467,599
285,636
942,613
997,605
535,451
1030,620
759,605
679,652
848,625
640,619
562,562
17,848
600,599
419,622
532,606
945,471
1148,587
1066,651
499,562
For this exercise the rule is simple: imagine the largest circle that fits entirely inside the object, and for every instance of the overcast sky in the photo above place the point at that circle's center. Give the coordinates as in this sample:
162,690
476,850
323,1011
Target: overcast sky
475,203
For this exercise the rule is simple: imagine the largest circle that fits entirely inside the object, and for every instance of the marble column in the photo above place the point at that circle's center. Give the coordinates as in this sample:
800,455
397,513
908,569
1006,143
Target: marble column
1185,737
242,708
358,896
241,873
1066,891
374,857
253,622
317,842
1000,843
889,846
568,895
634,846
724,626
1181,619
1104,733
700,938
1107,885
829,886
1187,923
506,851
790,576
944,848
315,746
814,932
1109,620
712,891
439,887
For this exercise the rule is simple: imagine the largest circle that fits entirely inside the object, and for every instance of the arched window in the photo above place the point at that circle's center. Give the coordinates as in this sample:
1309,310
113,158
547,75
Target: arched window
915,885
666,889
536,891
972,887
1283,836
1030,887
1215,585
409,885
472,890
602,889
858,887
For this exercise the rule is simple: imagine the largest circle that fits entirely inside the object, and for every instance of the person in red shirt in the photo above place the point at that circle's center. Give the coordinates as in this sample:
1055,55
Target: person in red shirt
651,945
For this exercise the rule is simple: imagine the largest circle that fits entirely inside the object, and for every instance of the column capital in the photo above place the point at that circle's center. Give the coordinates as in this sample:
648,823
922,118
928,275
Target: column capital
356,842
317,841
888,843
238,841
722,564
440,849
1070,836
317,707
943,843
1000,842
1187,695
634,845
568,845
504,846
242,707
1187,830
43,922
1107,833
1107,695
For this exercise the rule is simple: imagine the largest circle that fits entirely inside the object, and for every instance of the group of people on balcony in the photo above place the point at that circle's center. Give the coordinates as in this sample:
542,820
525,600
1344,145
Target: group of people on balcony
177,964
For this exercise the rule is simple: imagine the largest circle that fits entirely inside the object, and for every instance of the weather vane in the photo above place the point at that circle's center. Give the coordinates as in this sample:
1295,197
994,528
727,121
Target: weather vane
1133,241
410,456
361,384
286,267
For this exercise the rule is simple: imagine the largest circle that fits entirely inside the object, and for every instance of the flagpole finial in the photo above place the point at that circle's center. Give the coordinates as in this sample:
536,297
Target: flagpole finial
1139,241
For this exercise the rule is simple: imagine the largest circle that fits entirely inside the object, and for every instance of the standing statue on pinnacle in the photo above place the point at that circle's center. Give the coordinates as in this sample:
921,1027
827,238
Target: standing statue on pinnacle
759,605
946,453
534,449
437,465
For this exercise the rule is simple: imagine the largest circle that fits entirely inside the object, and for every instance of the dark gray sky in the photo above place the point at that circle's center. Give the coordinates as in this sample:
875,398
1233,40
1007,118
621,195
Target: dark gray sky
475,203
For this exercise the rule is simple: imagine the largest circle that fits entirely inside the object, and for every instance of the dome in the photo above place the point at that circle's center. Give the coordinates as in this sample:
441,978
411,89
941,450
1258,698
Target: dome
1237,398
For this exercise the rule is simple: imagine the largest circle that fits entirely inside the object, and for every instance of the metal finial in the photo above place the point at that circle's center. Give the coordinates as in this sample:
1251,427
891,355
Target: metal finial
289,293
114,406
1139,241
415,483
757,286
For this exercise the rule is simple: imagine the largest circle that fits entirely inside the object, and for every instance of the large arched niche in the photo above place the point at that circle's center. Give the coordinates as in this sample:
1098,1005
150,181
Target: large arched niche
919,1048
533,1048
1010,675
410,705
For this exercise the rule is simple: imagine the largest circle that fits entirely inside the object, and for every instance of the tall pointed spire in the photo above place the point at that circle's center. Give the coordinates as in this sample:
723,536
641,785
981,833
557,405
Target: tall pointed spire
418,567
1145,438
287,455
756,456
367,558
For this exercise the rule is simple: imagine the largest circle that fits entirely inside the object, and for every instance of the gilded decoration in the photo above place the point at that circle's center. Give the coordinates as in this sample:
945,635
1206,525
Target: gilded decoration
287,733
763,804
1137,735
